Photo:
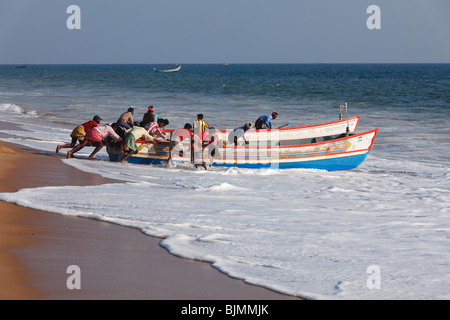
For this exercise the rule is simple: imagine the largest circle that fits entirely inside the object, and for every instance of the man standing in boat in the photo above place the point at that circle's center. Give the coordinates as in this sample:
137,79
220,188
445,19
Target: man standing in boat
265,122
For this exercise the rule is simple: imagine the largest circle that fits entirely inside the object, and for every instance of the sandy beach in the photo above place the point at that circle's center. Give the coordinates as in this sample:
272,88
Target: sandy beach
116,262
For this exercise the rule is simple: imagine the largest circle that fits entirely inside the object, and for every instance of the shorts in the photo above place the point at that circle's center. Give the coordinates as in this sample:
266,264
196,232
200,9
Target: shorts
176,145
94,135
238,133
78,133
130,142
259,124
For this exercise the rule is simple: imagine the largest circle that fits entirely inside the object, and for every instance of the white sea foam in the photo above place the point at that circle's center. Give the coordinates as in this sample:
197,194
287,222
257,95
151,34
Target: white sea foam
11,108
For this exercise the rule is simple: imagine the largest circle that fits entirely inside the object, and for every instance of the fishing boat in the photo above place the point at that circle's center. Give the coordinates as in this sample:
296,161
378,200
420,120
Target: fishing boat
340,153
168,70
328,146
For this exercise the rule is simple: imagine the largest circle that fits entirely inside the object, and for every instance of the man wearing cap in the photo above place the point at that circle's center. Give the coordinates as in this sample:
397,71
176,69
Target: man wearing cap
79,132
239,133
265,122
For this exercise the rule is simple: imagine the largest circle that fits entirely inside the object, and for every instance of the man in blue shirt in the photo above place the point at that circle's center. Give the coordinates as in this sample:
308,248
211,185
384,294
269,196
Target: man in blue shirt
265,122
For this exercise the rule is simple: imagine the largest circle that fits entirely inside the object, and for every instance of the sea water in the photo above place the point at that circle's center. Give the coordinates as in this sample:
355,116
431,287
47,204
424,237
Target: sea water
381,231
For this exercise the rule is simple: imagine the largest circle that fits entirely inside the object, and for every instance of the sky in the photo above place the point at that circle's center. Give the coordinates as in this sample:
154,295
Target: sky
219,31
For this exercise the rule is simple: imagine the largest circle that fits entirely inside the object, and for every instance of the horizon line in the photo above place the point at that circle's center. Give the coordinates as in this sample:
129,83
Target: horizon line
208,63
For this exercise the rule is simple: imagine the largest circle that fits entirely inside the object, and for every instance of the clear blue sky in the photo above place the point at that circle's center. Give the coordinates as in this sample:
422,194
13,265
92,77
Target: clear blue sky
234,31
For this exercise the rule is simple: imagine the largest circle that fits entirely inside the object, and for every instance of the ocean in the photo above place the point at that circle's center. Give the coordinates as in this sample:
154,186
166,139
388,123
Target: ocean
381,231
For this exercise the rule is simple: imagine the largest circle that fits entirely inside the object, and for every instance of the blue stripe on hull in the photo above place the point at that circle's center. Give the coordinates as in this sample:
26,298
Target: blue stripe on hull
332,164
342,163
138,160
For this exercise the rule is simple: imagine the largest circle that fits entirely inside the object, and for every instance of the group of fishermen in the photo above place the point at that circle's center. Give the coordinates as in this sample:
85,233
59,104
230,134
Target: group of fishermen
125,132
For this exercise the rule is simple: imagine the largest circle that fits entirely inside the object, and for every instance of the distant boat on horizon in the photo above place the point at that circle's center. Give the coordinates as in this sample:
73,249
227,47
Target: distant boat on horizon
224,64
167,70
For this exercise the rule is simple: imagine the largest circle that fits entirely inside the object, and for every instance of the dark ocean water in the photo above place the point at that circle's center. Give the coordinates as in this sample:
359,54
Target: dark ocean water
415,88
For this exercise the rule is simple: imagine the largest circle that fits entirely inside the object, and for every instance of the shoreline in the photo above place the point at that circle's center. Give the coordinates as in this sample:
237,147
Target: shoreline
116,262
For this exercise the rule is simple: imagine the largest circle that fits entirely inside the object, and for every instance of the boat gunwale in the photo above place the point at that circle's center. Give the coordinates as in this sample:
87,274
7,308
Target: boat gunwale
278,147
357,118
307,144
315,125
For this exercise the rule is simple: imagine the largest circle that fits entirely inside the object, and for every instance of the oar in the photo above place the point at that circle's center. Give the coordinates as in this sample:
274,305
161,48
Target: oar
284,125
348,124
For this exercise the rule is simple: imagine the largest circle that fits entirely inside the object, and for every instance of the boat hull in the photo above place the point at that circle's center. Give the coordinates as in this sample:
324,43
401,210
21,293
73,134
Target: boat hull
327,146
345,153
347,162
167,70
340,154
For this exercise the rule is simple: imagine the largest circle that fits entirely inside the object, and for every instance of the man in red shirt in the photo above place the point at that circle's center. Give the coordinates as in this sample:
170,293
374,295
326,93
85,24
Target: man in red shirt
79,133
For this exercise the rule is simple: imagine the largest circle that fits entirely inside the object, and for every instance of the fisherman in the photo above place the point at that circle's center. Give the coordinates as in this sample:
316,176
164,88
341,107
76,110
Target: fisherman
205,149
176,141
79,132
126,119
130,141
149,117
200,126
197,150
96,136
212,147
239,133
265,122
154,128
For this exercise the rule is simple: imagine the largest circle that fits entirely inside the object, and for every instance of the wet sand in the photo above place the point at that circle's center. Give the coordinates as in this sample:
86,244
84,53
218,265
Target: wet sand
116,262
